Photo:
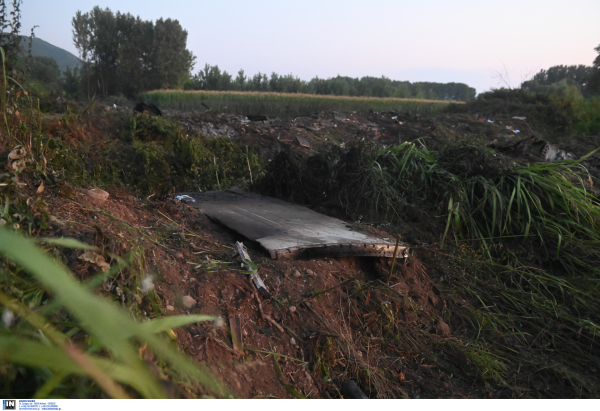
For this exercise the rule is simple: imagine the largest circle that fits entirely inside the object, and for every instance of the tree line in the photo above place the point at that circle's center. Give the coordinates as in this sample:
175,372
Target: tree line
122,54
212,78
577,79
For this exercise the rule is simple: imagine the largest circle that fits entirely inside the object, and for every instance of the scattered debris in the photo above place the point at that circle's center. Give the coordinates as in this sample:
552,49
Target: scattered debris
95,258
147,108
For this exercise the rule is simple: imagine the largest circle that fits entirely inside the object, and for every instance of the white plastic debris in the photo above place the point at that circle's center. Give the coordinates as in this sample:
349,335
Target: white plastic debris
147,283
185,197
516,131
490,121
8,317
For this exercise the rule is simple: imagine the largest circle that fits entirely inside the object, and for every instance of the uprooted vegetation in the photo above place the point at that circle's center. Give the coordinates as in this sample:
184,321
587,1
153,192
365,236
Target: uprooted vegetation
500,298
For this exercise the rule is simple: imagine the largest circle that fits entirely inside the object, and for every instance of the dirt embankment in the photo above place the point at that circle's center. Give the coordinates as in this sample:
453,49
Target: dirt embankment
329,320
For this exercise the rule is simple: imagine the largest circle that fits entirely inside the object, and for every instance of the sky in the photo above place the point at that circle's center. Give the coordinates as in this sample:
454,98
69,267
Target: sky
485,44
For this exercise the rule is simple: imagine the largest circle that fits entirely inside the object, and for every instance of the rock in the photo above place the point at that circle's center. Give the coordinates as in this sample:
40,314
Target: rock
292,341
188,302
94,197
170,308
296,273
442,329
310,272
292,309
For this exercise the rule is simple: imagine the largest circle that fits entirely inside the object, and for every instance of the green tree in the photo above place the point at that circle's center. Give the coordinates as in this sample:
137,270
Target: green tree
81,38
134,70
71,82
10,24
240,80
594,78
40,69
576,75
124,54
172,60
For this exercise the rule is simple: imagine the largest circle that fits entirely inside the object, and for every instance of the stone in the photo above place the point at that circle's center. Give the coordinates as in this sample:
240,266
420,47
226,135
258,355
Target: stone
292,309
296,273
94,197
188,302
97,195
170,308
442,329
310,272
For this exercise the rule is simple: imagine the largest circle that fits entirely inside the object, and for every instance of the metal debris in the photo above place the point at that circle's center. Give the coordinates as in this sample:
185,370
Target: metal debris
258,282
303,142
288,230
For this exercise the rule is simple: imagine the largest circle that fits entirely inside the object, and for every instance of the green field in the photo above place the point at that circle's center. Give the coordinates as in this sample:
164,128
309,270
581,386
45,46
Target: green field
282,104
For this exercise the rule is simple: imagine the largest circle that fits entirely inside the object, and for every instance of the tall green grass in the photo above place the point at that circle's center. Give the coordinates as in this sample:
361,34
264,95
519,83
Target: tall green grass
547,206
39,342
282,104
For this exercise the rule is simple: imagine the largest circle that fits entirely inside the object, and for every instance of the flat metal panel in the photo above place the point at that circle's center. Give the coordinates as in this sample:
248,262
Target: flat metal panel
288,230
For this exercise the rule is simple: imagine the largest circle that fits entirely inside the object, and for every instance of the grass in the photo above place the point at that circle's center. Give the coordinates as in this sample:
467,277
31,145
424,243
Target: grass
111,328
520,243
282,104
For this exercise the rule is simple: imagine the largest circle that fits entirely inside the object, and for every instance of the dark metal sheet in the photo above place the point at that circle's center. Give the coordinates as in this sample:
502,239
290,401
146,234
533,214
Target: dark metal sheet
303,142
287,230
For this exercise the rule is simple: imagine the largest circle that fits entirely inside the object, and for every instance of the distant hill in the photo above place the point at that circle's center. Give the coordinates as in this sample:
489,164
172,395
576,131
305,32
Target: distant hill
42,48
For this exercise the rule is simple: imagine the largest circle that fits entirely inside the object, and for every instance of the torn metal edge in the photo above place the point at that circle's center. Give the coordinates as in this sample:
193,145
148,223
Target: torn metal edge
341,250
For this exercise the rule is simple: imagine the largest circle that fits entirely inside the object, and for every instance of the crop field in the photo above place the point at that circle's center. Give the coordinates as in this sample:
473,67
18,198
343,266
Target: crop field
283,104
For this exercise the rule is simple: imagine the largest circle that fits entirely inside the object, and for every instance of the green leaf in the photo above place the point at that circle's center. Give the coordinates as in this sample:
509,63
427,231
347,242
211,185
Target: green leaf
253,267
107,322
22,351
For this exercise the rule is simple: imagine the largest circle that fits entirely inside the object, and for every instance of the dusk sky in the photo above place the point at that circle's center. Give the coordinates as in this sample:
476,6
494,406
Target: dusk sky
429,40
